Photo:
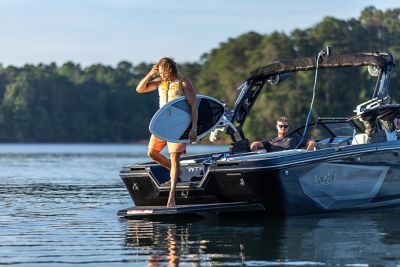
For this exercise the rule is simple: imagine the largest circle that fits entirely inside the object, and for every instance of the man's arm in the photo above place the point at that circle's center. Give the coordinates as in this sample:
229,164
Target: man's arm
190,93
145,85
256,146
308,143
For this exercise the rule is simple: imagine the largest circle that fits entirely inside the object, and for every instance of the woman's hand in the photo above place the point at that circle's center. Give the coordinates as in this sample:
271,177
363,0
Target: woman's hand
193,135
154,70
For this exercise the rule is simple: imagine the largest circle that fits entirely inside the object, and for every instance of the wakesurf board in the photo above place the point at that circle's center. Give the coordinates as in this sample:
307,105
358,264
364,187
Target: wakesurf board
173,121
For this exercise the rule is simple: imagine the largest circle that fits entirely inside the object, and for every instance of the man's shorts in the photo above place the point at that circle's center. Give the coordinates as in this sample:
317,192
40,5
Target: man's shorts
157,144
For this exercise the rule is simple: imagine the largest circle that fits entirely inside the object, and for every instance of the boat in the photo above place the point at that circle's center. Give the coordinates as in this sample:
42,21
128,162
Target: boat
356,165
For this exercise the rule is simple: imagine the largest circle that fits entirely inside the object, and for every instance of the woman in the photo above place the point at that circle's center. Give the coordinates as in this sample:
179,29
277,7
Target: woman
165,77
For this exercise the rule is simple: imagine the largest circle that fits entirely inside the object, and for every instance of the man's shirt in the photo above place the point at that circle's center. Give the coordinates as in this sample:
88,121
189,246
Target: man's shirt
284,143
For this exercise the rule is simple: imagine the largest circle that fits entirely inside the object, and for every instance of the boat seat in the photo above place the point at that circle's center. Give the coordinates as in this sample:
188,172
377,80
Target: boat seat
377,137
359,139
390,136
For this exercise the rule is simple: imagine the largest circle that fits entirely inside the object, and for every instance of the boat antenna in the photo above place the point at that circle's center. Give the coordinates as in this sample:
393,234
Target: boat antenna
321,53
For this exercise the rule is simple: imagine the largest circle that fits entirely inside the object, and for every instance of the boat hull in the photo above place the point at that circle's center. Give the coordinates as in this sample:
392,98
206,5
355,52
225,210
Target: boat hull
329,180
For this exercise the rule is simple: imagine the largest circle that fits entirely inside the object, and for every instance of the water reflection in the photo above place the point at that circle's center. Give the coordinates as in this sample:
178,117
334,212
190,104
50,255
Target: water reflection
212,242
173,250
167,241
58,207
365,238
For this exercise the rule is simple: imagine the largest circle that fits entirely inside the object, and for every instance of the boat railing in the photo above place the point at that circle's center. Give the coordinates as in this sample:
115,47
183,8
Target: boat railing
263,154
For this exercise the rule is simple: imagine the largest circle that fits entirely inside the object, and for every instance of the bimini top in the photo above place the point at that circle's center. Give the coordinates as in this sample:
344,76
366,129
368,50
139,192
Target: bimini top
381,60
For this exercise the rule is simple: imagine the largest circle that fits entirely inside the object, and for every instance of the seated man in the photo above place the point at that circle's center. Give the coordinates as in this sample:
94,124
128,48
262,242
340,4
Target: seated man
282,141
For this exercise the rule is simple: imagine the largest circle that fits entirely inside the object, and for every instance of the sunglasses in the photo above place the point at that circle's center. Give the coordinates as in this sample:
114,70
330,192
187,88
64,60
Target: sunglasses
283,126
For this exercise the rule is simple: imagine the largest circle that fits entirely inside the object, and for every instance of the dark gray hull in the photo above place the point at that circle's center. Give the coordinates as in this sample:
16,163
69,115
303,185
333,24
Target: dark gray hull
287,183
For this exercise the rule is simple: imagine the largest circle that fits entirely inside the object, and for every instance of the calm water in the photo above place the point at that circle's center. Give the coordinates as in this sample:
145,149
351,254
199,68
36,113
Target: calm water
58,208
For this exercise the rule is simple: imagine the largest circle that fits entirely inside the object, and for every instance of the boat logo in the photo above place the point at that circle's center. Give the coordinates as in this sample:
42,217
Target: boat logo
194,169
135,187
325,179
185,194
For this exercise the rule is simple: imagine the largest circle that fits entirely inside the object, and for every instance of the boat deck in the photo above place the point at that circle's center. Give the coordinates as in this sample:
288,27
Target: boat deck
149,211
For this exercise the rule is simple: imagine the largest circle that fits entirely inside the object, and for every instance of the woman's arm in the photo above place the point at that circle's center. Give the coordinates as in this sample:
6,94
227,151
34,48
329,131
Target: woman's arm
190,93
145,85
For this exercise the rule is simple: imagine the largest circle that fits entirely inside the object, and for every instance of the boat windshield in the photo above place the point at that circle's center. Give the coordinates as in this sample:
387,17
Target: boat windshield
327,129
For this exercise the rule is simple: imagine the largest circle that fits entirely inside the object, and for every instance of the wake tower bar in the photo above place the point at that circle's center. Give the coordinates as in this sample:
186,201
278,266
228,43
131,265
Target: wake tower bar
278,71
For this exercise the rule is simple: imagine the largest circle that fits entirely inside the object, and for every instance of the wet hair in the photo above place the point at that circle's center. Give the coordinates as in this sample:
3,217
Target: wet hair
170,68
283,119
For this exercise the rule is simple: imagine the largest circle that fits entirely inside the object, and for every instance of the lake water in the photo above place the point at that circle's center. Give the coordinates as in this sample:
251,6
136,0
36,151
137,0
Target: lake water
58,206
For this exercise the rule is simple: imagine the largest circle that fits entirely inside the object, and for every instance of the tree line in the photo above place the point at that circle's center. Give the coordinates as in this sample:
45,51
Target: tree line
68,103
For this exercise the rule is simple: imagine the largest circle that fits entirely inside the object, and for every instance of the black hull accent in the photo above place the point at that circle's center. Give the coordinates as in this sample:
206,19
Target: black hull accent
283,183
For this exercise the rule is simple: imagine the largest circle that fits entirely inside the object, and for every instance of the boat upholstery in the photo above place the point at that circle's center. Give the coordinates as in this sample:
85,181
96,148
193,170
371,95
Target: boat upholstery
359,139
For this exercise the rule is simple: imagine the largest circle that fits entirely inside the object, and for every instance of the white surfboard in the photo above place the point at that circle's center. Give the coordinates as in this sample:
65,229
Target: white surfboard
173,121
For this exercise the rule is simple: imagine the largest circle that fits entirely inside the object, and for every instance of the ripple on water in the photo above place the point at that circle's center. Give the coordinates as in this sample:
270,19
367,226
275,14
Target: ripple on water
58,207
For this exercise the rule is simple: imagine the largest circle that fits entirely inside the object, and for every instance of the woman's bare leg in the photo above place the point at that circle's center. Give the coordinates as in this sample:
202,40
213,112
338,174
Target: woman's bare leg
158,157
174,173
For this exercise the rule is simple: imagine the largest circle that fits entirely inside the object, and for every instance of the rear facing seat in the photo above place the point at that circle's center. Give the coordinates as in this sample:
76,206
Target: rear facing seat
361,138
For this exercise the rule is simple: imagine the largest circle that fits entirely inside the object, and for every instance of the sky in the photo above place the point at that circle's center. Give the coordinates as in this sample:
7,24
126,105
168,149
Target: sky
89,32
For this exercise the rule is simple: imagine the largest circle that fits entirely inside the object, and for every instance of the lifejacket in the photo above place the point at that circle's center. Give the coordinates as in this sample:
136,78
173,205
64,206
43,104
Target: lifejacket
169,91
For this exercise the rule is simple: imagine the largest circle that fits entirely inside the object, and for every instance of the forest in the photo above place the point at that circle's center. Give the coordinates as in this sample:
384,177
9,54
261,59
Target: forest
98,103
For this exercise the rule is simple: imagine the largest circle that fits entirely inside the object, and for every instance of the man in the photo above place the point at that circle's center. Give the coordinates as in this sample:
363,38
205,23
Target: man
165,77
282,141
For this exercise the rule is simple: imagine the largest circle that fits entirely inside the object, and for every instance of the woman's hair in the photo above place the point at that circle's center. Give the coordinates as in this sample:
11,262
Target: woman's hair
170,68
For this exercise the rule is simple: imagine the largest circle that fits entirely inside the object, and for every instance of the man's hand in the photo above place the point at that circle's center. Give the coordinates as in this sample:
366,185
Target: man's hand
311,145
256,146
